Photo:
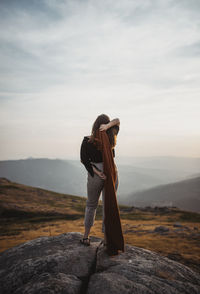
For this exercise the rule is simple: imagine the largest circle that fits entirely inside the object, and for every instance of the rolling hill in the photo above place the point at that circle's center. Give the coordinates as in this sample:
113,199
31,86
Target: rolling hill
183,194
70,176
17,200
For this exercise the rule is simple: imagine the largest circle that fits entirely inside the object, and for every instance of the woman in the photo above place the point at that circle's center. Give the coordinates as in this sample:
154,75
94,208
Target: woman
92,159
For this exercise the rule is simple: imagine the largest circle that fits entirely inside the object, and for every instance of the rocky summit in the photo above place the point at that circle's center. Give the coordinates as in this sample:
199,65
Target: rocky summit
61,264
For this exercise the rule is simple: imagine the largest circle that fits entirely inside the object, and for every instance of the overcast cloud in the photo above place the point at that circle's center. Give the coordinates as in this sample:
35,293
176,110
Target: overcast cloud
65,62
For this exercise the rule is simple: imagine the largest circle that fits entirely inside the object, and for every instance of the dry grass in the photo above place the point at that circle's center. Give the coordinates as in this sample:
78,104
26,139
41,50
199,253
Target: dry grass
187,249
164,275
28,213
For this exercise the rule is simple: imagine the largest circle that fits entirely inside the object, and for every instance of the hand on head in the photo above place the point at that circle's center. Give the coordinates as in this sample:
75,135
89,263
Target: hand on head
103,127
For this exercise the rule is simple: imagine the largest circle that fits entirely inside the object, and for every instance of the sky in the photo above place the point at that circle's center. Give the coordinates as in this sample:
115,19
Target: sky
63,63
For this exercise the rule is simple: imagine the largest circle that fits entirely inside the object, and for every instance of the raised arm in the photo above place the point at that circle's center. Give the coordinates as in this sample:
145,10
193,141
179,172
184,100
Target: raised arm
114,122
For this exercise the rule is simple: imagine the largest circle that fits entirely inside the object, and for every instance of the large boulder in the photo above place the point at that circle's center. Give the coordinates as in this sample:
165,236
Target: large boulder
57,264
60,264
141,271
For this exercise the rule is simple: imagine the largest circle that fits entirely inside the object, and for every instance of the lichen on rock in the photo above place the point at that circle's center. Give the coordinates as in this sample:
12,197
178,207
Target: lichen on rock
60,264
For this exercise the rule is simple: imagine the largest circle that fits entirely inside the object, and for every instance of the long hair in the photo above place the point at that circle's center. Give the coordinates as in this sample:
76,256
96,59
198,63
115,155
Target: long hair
111,132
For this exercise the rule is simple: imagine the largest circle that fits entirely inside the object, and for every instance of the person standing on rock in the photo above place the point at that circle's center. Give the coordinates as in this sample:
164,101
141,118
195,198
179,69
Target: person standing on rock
92,158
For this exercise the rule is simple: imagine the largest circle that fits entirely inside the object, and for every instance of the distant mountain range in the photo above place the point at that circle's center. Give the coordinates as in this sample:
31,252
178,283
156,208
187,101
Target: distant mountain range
52,174
184,194
187,164
27,202
70,176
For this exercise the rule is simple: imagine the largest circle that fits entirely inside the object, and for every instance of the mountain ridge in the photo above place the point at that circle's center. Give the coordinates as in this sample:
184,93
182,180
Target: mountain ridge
70,176
171,192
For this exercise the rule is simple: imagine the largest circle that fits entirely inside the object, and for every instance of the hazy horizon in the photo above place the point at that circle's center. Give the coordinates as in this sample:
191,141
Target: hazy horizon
117,158
65,62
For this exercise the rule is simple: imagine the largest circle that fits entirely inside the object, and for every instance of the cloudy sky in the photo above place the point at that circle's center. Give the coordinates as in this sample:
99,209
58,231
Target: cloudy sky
65,62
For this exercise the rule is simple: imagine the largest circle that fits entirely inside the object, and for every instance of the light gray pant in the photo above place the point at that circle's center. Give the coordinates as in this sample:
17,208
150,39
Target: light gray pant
95,185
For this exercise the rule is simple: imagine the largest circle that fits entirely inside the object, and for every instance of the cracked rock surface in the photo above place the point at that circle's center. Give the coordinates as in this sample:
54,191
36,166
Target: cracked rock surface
60,264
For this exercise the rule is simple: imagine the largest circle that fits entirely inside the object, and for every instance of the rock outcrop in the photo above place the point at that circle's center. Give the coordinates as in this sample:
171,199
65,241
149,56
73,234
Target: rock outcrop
60,264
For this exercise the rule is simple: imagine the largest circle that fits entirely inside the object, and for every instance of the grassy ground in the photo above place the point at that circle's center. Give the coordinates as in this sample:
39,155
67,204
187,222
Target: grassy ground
182,246
27,213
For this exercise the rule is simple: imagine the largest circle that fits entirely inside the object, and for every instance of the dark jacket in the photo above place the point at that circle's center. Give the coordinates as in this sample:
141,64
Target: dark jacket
89,153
